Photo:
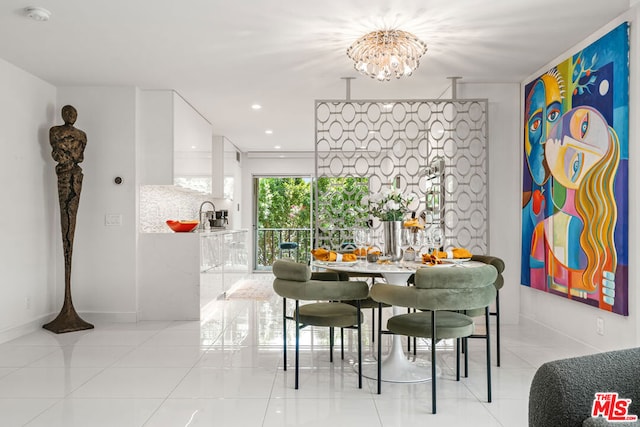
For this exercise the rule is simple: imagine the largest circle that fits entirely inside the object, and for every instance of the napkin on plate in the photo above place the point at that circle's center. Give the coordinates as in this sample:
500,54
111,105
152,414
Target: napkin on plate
413,223
454,253
322,254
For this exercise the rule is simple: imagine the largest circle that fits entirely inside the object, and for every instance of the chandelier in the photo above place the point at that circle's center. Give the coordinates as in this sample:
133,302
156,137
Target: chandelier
385,53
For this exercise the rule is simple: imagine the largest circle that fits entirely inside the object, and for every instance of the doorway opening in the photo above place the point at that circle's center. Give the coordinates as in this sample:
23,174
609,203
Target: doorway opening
282,219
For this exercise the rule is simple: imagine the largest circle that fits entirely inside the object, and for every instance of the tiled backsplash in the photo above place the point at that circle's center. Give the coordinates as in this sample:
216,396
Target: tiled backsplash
159,203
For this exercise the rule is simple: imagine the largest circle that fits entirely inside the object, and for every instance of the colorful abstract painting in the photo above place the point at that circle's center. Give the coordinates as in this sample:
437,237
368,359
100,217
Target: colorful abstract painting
575,176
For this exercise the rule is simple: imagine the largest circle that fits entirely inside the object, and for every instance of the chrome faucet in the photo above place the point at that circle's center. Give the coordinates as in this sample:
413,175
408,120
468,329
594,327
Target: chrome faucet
201,226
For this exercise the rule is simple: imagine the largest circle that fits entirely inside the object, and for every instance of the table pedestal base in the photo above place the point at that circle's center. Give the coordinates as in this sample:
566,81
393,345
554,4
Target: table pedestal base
396,368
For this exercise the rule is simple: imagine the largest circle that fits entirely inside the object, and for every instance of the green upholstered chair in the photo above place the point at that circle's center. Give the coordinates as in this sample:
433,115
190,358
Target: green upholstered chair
365,303
294,281
440,293
499,283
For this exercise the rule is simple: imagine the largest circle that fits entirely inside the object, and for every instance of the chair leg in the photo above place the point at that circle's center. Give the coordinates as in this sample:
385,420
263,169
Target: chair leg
297,341
284,330
331,344
373,316
359,346
486,316
373,324
458,342
379,348
465,345
497,314
409,338
433,361
342,343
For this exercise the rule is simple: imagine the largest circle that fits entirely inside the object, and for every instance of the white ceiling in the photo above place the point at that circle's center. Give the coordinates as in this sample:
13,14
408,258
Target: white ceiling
223,56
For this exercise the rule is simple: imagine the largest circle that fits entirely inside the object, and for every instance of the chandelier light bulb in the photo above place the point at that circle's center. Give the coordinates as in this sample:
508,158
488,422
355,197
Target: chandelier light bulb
384,54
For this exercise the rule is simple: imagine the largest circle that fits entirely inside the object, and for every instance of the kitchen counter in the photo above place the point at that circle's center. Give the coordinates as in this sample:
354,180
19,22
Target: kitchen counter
177,269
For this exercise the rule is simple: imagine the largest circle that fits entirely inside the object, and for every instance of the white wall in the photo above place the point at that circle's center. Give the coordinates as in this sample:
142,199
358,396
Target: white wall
155,132
233,169
504,191
573,318
28,223
104,259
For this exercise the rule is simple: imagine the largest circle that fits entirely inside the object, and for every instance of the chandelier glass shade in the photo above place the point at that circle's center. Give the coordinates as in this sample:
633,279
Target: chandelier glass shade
384,54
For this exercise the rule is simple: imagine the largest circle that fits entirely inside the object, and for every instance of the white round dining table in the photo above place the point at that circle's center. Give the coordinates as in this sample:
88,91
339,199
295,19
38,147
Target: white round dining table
396,367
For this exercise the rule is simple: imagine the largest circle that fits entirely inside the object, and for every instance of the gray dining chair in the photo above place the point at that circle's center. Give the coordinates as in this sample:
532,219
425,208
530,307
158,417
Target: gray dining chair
323,308
498,263
439,295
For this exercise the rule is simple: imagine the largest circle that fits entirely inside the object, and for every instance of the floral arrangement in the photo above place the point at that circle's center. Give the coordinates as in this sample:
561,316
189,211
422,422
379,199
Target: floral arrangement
388,205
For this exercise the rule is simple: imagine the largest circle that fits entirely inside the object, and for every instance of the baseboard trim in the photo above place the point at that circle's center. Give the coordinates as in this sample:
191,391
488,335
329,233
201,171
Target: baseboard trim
23,329
36,324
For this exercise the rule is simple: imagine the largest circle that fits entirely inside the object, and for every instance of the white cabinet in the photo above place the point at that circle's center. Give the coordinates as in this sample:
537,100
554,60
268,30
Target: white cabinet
192,146
175,140
169,283
223,261
179,273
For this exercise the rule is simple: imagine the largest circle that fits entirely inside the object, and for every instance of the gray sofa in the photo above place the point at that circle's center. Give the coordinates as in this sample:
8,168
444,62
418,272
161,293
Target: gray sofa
562,392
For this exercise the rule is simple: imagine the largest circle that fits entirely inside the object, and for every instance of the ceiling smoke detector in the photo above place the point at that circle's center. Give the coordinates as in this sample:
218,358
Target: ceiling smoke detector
37,13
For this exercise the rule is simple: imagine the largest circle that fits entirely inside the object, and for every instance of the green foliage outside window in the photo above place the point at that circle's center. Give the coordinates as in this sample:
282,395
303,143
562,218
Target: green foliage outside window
284,203
285,214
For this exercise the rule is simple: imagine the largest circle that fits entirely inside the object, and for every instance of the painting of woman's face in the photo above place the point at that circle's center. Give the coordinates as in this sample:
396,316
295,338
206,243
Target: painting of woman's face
576,143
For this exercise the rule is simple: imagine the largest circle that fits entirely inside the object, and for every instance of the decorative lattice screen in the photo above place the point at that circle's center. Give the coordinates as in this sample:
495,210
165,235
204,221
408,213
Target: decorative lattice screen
399,143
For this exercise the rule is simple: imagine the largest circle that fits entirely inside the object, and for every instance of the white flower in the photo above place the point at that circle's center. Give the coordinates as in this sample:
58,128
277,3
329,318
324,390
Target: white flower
392,205
389,204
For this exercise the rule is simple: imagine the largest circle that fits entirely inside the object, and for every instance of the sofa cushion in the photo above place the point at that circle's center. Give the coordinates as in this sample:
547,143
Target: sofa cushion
602,422
562,391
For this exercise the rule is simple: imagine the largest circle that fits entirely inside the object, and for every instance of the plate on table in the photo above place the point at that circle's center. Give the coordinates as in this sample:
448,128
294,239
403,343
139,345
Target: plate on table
446,264
455,260
338,263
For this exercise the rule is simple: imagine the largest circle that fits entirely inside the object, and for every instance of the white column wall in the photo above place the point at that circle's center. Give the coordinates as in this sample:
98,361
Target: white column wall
104,260
504,191
28,223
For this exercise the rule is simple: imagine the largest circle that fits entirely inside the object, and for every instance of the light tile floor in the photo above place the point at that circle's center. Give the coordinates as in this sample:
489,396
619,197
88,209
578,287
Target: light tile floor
226,370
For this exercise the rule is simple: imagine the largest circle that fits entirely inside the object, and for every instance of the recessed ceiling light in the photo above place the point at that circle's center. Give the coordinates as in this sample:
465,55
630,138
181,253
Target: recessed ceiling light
37,13
256,106
387,106
277,147
193,147
372,132
268,132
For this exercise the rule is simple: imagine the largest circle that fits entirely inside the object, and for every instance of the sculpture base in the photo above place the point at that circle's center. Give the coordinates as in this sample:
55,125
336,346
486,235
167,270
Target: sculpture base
67,321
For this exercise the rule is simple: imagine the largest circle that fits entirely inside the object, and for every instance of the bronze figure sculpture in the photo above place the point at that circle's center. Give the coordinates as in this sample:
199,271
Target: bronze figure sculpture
68,144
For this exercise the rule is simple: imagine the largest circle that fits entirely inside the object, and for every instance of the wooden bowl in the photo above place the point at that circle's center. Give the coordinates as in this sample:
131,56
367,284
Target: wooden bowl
182,226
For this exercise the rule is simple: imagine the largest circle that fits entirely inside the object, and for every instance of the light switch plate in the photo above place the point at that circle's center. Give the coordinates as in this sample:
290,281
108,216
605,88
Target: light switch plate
113,220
